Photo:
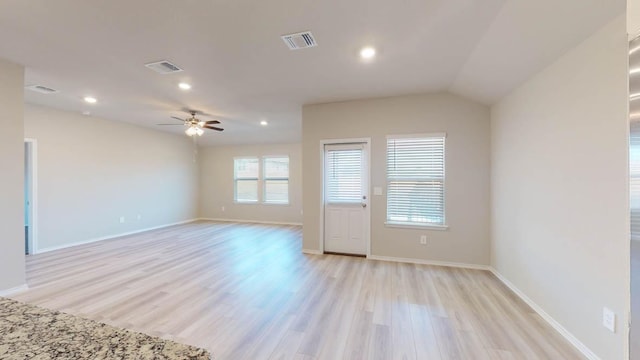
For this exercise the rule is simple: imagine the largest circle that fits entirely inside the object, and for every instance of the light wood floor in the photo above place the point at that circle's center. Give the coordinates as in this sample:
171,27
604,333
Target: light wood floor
246,292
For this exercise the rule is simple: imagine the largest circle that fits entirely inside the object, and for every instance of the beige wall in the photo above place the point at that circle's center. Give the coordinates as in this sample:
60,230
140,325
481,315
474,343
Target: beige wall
217,184
467,170
93,171
633,18
12,164
559,189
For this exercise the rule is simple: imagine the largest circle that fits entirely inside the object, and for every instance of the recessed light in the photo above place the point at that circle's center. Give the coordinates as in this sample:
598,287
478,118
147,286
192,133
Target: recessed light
90,99
264,123
184,86
367,53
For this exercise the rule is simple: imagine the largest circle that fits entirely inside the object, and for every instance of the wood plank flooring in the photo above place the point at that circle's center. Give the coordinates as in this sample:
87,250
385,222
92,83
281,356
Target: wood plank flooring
245,291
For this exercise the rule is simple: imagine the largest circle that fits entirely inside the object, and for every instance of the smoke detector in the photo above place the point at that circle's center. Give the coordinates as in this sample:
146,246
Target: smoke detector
299,40
41,89
163,67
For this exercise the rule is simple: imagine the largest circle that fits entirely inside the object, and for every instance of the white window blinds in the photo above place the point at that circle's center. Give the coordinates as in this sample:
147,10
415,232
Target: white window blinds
246,179
276,180
343,169
415,180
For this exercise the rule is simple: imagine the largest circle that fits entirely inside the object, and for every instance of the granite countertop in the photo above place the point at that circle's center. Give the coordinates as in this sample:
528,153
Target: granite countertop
31,332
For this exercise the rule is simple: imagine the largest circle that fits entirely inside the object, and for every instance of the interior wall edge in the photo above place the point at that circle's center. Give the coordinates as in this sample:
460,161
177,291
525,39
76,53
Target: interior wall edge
14,290
109,237
580,346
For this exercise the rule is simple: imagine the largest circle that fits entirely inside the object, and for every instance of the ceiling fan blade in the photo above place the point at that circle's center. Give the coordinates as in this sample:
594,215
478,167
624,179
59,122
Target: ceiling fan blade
177,118
212,122
213,128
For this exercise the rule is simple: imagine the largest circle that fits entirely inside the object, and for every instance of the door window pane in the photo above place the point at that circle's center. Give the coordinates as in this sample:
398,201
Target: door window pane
344,176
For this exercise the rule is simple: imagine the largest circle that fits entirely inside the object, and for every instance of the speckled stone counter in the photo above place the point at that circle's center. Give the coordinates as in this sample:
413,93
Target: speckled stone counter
30,332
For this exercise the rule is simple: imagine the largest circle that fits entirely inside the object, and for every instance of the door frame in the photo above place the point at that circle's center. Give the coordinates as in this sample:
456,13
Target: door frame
33,187
367,213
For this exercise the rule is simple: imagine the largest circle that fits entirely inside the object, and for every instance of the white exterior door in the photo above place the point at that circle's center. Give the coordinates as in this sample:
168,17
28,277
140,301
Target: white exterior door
345,199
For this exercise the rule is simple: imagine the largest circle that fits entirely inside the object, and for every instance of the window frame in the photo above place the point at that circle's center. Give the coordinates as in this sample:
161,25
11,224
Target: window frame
416,225
236,178
261,181
264,179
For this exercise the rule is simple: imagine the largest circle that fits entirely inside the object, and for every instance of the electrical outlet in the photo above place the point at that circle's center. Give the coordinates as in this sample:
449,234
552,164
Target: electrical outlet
423,240
223,208
609,319
121,219
139,217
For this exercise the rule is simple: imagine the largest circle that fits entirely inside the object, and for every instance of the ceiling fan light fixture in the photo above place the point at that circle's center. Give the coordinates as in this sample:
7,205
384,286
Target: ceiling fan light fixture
195,126
194,130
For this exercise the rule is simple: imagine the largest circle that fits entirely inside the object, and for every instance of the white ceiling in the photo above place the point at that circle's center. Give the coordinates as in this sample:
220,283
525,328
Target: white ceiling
243,73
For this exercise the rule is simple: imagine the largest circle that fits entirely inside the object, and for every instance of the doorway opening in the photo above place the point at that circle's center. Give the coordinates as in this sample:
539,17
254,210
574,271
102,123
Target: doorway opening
30,192
345,215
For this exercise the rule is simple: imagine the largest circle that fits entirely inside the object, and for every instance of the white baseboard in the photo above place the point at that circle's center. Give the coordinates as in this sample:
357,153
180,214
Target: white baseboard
14,290
58,247
556,325
311,252
429,262
253,221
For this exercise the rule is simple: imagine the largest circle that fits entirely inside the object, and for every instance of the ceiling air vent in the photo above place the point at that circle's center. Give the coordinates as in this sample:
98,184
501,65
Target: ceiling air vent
42,89
163,67
300,40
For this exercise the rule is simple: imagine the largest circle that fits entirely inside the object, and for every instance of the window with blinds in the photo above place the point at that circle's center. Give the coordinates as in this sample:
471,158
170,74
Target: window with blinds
246,172
415,180
276,179
343,169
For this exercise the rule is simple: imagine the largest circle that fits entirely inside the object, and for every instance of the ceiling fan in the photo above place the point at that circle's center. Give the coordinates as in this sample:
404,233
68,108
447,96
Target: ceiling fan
194,125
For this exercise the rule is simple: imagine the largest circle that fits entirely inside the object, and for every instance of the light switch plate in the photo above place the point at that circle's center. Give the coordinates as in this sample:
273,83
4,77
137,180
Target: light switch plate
377,190
609,319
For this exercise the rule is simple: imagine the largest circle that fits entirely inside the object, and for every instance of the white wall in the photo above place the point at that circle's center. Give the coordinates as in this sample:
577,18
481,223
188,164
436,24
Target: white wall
560,217
217,184
467,170
91,171
11,162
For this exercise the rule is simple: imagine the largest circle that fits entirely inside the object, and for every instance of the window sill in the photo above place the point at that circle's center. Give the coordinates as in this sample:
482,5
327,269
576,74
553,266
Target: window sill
260,203
422,227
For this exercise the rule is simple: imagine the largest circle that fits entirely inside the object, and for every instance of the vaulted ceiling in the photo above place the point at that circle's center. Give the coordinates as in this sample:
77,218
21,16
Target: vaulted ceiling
241,71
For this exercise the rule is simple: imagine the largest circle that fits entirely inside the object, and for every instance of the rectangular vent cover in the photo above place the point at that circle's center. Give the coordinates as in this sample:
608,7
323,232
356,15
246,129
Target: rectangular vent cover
300,40
42,89
163,67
